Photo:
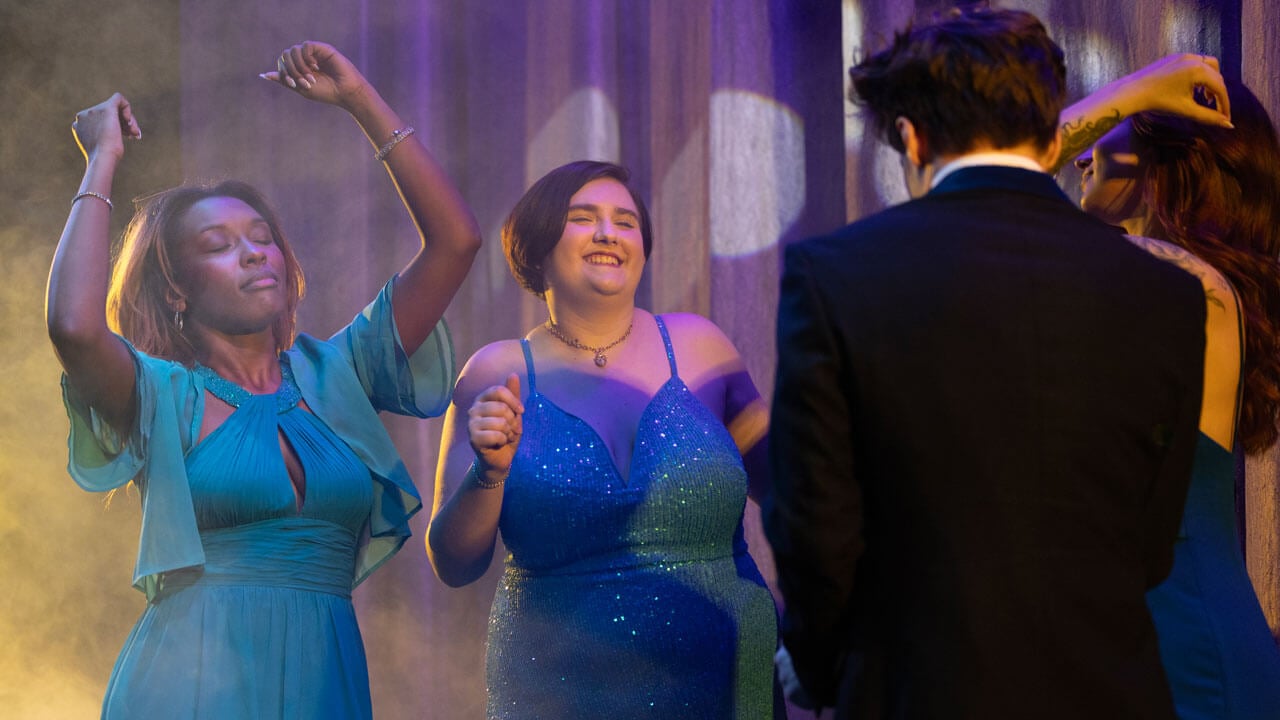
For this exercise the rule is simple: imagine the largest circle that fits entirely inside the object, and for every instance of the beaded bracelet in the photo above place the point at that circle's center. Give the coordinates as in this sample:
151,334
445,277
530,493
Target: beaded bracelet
480,482
397,137
90,193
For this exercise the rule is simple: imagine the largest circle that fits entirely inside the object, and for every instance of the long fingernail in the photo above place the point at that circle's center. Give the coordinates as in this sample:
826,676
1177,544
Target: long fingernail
289,81
311,78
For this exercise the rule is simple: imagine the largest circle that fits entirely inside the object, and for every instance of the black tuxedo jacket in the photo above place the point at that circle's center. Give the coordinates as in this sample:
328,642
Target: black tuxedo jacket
983,425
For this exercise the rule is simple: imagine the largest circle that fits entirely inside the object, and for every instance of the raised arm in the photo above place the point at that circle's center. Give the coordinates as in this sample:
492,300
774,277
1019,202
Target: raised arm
481,434
97,364
449,232
1181,84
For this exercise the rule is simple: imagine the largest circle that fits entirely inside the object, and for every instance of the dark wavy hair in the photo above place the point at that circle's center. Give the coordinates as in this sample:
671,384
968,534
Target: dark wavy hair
1216,192
537,221
144,275
973,76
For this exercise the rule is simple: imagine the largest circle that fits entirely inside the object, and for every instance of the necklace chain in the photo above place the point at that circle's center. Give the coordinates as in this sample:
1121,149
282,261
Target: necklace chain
600,358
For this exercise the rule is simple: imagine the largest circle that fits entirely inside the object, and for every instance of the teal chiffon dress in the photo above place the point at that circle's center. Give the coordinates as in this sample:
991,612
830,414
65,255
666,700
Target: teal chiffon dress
249,612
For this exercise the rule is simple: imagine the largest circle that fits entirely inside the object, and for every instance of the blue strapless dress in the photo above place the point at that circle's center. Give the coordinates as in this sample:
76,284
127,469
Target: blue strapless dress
265,628
631,599
1214,642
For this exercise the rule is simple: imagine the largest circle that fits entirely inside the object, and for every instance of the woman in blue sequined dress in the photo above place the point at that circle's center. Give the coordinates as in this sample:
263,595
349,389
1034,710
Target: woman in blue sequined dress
1208,199
607,446
269,487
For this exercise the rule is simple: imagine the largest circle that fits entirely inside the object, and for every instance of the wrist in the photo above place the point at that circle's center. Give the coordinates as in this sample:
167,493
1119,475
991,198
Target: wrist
488,478
360,100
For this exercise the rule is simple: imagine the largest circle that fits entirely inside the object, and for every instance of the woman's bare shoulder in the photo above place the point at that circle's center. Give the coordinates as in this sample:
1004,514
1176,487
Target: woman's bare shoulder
1218,290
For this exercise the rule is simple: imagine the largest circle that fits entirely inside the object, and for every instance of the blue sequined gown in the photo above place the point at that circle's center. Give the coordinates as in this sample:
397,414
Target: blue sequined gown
628,599
1214,642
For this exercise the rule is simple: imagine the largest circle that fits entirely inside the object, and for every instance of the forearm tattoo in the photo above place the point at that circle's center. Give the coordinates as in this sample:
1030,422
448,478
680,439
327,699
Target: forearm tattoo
1079,134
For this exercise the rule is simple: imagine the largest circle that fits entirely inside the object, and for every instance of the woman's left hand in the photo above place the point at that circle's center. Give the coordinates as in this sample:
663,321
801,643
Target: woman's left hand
317,71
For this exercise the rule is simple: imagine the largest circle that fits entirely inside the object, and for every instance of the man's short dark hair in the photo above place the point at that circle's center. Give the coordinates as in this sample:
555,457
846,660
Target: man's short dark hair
973,77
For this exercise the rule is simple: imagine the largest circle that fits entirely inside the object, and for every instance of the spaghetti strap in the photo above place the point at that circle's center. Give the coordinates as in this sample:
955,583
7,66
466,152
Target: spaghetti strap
528,363
666,340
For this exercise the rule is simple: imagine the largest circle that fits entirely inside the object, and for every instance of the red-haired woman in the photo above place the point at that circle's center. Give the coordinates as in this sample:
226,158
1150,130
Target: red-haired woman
269,487
1207,197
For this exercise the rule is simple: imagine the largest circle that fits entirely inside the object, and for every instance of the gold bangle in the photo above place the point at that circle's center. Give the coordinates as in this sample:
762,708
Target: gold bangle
90,193
480,482
397,137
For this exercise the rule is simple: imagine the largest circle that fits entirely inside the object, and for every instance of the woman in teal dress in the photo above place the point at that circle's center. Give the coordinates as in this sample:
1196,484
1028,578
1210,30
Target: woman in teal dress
1208,198
269,486
607,446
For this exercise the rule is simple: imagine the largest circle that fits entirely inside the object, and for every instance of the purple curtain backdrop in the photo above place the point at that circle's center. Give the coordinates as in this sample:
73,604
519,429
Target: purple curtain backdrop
730,114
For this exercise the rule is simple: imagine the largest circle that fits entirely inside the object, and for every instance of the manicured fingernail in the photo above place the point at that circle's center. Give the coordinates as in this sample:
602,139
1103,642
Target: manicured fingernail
263,76
289,81
311,79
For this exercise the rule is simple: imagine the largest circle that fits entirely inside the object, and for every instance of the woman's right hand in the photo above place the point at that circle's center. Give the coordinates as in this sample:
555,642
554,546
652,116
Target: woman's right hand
1184,84
494,424
103,127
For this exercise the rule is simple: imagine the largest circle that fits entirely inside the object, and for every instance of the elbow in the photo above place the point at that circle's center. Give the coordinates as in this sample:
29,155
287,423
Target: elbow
71,334
471,240
452,567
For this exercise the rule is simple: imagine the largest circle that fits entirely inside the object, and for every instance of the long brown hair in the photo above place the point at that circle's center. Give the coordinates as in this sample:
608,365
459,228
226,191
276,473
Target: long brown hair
144,277
1216,192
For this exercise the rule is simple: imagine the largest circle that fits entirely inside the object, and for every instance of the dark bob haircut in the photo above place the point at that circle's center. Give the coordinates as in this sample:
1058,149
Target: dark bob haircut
537,221
976,76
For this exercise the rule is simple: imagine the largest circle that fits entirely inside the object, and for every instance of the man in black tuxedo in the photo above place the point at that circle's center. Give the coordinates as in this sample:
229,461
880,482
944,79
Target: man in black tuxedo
985,412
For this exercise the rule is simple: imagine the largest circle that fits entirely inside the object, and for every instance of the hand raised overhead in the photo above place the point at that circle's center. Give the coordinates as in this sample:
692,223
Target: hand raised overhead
317,71
103,127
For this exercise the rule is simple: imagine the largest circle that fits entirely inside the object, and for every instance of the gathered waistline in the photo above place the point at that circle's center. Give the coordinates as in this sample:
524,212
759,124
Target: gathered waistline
290,553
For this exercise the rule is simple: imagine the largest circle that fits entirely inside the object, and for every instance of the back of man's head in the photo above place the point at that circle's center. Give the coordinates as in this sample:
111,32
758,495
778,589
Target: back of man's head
972,79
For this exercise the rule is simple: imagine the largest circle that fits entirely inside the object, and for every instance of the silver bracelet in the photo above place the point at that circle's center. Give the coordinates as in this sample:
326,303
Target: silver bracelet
397,137
474,473
90,193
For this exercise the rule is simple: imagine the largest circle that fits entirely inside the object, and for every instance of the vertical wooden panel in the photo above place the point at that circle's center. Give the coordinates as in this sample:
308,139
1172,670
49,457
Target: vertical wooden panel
1260,46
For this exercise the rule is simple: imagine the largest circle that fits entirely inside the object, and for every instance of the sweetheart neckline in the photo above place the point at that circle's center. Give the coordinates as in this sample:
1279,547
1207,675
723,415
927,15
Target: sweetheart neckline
635,436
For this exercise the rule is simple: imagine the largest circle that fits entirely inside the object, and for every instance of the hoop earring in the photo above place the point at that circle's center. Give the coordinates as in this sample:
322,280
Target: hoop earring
177,319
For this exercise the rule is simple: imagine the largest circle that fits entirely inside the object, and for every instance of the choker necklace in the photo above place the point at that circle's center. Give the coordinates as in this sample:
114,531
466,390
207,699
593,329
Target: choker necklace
601,359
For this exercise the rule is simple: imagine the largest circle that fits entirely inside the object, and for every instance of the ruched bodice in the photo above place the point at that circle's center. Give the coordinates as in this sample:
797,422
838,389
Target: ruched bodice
628,598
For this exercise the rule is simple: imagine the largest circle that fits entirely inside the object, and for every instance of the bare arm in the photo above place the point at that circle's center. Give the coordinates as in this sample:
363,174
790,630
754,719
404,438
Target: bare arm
449,232
1169,85
468,503
96,363
718,376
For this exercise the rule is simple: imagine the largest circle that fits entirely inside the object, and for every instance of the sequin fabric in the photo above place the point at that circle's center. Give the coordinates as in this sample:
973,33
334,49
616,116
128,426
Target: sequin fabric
628,599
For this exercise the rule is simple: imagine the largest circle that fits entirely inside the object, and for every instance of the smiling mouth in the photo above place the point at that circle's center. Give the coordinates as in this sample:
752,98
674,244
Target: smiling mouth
602,259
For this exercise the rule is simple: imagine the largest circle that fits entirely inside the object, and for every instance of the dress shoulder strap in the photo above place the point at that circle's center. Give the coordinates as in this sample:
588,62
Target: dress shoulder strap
528,364
666,340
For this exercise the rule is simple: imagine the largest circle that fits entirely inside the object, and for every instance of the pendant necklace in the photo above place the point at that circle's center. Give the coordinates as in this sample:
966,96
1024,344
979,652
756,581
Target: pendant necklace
600,358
